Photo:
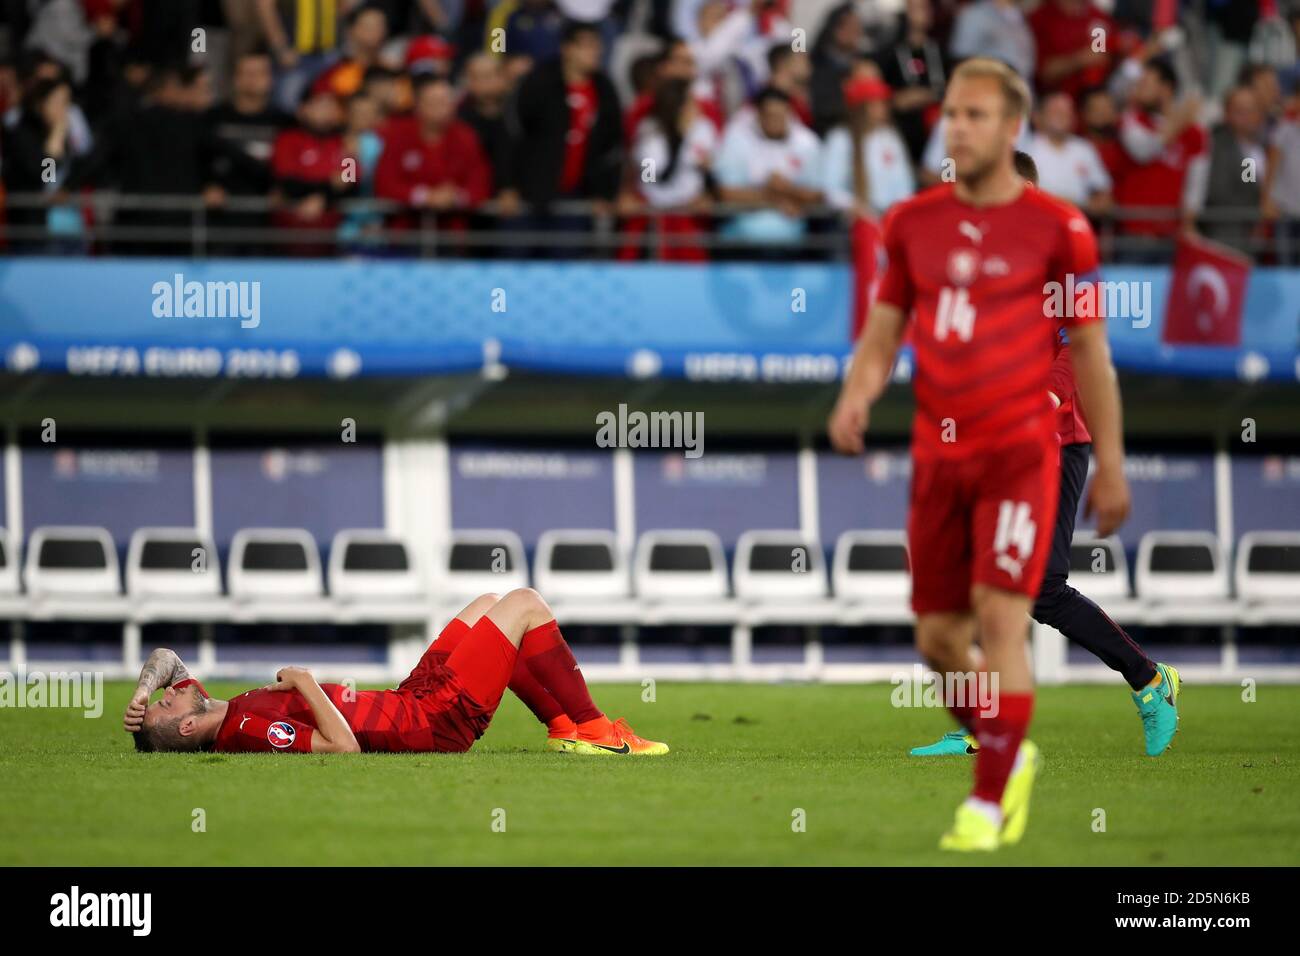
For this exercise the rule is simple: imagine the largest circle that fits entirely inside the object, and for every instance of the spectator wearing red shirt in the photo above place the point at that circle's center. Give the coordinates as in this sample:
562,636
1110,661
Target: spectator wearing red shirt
1072,54
432,160
1161,138
570,125
307,167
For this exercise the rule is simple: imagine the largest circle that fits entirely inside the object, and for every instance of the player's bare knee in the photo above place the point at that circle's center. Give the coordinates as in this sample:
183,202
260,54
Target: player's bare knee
478,607
528,602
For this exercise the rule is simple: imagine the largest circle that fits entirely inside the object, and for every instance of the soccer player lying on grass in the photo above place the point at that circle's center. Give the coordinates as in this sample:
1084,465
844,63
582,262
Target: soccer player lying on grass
444,704
1155,686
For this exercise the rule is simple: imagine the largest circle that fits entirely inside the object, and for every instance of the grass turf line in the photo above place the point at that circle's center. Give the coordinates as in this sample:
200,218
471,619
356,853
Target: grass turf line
745,757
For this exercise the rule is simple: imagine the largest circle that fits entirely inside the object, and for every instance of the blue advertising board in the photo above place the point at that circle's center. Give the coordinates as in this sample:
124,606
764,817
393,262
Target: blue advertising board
770,322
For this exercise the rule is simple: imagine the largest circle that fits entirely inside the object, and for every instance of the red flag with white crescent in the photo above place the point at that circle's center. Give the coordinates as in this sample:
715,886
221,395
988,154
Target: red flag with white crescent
1207,294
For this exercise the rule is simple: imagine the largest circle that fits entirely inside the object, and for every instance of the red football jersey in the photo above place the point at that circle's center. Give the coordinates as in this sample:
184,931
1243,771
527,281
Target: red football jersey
262,721
986,289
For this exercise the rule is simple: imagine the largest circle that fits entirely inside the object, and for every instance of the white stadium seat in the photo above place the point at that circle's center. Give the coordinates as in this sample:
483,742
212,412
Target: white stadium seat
871,566
273,563
9,579
1268,567
371,564
580,564
172,562
72,561
482,561
1099,567
778,565
1181,566
680,564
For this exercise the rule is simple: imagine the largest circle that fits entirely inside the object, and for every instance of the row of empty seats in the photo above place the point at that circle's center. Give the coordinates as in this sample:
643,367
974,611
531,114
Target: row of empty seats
574,565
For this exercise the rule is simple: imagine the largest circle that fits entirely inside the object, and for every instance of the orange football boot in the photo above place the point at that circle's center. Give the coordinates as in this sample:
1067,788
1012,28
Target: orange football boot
603,736
561,734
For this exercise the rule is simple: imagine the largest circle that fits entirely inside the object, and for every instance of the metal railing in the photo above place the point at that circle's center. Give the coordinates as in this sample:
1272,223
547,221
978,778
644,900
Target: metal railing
127,224
190,226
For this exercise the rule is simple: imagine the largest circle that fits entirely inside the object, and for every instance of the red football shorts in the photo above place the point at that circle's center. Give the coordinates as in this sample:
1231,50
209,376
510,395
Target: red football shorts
461,689
986,520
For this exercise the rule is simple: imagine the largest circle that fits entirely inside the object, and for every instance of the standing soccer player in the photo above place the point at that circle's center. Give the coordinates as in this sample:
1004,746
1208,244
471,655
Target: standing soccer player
970,264
1155,686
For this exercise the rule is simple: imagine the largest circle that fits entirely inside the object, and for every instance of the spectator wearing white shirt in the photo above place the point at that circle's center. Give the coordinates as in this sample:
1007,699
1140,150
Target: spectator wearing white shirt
774,163
995,28
731,45
789,76
1068,165
674,150
883,154
672,158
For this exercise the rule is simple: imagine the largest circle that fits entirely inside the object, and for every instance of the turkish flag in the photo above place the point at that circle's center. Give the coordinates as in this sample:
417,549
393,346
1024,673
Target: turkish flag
1206,294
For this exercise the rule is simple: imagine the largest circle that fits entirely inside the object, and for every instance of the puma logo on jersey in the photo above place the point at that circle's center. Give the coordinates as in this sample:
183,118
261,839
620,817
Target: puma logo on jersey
1013,567
971,231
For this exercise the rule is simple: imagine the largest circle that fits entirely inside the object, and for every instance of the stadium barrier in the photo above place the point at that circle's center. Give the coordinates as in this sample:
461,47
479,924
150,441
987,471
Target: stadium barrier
579,227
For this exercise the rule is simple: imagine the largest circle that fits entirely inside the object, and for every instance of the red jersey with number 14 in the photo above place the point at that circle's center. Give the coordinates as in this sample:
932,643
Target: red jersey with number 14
987,288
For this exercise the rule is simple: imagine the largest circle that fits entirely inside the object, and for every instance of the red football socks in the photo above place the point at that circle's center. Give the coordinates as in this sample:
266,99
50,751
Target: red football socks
536,697
1000,739
550,661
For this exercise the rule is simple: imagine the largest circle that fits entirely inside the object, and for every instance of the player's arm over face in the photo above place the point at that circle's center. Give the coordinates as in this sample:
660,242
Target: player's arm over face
332,734
1108,498
163,669
873,359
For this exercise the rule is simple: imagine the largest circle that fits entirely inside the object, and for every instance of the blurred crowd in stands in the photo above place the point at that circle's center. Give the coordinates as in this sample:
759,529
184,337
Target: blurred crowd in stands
754,123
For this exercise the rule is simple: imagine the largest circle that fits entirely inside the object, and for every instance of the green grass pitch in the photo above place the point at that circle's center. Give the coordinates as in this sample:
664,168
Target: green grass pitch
745,758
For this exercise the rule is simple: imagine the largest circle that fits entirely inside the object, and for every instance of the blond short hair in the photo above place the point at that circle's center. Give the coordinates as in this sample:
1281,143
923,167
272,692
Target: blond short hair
1014,89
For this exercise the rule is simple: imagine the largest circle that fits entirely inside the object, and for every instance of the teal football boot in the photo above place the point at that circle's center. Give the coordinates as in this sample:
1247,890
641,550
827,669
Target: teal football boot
1158,708
958,742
